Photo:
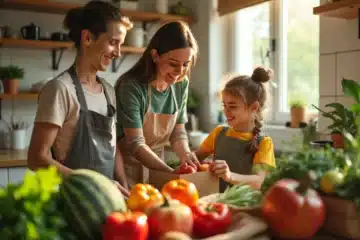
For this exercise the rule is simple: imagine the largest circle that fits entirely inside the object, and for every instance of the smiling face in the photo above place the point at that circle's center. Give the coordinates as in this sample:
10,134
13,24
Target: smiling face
239,115
106,47
173,65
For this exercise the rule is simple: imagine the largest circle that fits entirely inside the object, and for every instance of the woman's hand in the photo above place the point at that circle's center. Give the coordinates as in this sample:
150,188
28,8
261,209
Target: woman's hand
190,158
221,169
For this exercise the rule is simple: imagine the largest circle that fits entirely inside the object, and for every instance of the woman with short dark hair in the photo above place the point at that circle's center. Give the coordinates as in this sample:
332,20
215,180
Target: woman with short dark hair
76,110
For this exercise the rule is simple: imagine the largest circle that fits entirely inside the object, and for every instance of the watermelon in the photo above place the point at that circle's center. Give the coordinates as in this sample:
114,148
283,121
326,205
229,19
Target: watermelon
87,197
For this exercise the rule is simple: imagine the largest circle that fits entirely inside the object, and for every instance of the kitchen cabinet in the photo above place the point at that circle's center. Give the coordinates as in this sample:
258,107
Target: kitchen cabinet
16,175
3,177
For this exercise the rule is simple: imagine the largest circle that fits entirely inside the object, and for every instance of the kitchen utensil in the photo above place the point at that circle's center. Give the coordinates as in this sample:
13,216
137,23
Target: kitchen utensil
59,36
30,31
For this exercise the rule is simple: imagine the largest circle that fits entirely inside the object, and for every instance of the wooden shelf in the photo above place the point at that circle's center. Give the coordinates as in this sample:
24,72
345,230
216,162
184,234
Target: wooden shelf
13,158
19,96
345,9
61,8
33,44
40,44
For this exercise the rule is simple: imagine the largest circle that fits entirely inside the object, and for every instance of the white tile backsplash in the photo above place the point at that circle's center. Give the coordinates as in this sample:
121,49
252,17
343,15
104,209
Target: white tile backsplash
339,40
346,101
337,35
327,70
347,67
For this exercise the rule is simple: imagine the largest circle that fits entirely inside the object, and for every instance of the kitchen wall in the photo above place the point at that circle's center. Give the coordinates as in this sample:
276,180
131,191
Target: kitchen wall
339,58
208,30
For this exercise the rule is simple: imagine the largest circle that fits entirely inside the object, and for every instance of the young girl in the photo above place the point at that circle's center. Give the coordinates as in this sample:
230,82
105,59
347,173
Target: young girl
240,153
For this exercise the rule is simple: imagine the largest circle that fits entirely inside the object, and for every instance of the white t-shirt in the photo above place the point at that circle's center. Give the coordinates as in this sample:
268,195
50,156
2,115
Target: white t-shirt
58,105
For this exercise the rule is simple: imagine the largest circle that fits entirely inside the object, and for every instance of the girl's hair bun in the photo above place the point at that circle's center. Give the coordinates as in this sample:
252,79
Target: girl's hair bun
261,75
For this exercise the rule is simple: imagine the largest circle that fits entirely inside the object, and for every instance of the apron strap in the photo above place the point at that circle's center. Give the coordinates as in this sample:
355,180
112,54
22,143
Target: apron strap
110,108
174,97
149,98
79,91
81,96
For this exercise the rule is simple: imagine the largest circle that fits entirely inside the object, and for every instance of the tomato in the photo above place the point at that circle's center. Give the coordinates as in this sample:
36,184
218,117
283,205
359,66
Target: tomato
171,216
210,219
181,190
128,225
293,210
143,197
203,167
185,169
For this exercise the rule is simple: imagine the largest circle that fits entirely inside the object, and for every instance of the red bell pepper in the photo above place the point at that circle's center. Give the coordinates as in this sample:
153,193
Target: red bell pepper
210,219
128,225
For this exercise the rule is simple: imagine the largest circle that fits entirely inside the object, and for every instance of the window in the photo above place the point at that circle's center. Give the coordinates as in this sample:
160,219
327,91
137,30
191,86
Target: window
283,35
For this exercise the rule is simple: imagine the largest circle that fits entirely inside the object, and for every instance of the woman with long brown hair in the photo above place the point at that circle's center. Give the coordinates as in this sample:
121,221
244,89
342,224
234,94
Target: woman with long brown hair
151,101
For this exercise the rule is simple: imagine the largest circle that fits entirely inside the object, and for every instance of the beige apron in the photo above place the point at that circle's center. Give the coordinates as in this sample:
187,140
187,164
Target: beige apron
157,128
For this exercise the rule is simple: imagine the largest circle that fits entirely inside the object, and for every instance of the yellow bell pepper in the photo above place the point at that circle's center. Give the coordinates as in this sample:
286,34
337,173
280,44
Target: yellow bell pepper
143,197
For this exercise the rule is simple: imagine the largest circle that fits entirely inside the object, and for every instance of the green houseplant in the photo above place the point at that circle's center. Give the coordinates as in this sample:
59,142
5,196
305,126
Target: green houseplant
343,118
297,112
193,101
10,76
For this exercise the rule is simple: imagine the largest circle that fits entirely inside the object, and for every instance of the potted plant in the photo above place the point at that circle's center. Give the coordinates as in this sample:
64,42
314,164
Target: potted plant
127,4
343,119
10,76
193,102
192,105
297,112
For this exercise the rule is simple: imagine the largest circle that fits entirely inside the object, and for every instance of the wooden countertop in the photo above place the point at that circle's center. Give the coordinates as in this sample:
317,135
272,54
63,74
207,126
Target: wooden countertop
13,158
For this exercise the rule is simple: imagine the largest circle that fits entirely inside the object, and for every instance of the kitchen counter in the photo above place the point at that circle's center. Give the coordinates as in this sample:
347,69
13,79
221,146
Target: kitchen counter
13,158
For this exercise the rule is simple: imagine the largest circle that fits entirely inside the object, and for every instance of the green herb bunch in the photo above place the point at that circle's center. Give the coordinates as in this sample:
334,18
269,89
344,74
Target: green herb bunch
30,210
173,163
314,161
240,196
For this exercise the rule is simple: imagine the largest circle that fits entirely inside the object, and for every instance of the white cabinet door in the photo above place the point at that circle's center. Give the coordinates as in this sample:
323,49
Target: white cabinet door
3,177
16,174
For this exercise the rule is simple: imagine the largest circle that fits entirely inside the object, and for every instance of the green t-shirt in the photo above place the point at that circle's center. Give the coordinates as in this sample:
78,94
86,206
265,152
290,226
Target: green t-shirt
132,102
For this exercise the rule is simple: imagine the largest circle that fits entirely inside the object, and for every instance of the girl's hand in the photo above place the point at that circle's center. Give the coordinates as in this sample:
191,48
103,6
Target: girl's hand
221,169
191,159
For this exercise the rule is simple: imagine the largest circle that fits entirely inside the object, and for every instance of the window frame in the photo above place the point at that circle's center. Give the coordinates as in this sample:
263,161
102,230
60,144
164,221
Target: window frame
280,113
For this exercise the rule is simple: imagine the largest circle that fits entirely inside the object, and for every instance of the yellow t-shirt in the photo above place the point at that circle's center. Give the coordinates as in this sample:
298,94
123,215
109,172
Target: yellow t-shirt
264,156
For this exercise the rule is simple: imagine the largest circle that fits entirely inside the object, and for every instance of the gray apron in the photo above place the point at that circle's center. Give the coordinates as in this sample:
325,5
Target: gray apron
235,152
91,146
